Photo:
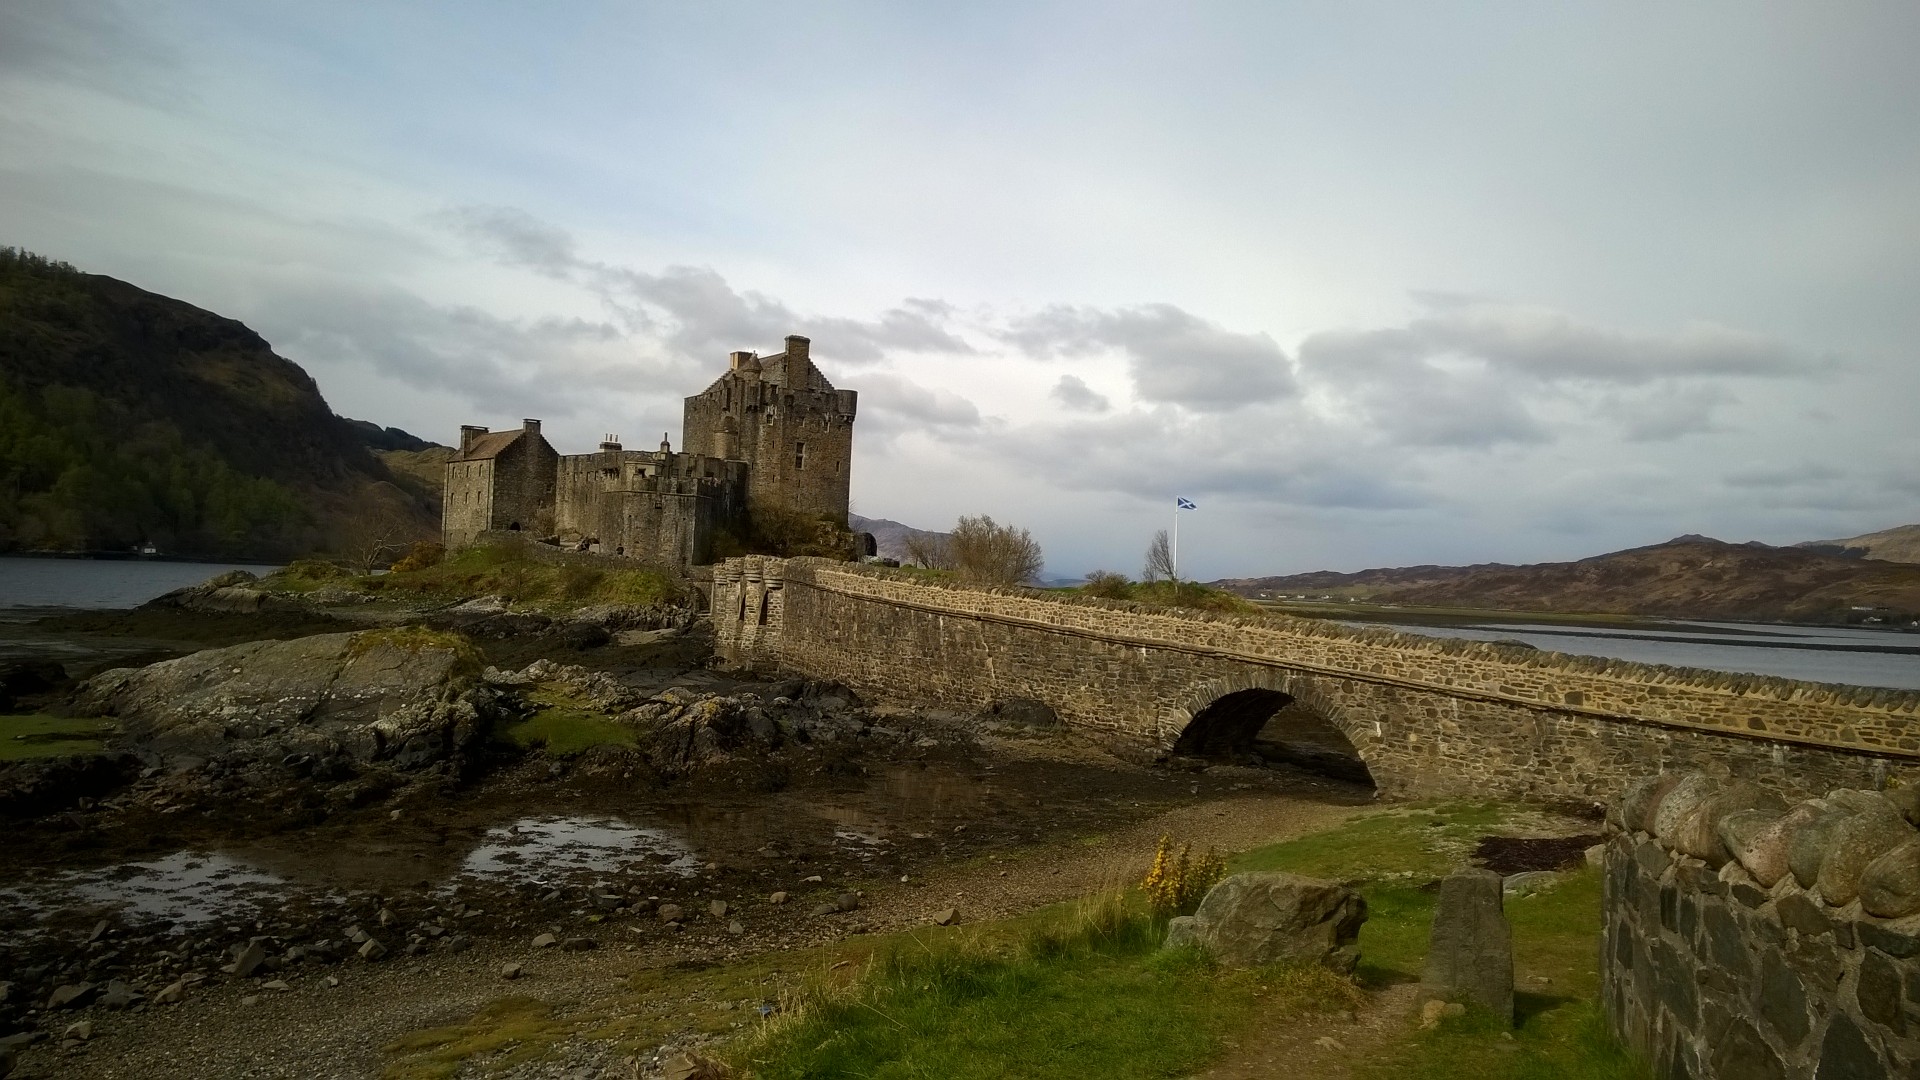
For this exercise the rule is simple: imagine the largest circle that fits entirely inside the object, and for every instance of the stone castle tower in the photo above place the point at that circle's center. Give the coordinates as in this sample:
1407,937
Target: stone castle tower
787,422
772,433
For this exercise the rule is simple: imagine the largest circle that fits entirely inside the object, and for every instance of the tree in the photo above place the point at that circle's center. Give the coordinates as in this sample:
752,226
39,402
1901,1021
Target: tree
993,554
931,550
1159,559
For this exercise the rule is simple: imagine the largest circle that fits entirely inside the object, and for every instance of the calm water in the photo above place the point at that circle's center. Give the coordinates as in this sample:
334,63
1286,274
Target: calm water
1821,654
99,583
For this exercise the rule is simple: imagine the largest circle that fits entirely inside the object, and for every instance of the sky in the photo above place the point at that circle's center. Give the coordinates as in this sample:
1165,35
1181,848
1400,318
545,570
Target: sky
1370,284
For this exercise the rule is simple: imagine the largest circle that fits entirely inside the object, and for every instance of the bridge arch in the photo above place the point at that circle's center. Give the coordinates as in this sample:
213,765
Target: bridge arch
1228,716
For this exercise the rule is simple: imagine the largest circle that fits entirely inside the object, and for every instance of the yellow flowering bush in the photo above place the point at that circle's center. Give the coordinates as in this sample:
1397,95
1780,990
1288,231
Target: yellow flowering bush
1177,882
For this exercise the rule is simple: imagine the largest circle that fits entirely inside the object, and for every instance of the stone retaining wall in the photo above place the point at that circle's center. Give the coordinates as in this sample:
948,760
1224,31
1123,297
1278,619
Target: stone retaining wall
1746,939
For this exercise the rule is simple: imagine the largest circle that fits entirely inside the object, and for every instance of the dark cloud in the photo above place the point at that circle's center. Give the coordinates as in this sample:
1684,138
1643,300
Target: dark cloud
1782,476
94,45
1174,357
890,404
1073,393
695,310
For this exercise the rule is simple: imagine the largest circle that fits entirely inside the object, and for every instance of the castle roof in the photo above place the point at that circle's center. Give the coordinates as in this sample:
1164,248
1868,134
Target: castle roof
488,446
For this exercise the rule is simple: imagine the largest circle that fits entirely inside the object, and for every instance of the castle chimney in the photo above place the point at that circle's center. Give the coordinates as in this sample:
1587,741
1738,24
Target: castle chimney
470,434
797,349
530,426
665,446
610,444
738,360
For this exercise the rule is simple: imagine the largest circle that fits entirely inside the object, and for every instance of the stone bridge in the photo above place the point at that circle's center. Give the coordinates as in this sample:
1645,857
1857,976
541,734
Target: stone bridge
1429,717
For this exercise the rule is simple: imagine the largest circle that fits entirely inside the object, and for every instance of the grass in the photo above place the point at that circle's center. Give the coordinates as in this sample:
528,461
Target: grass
1082,989
1090,994
514,1028
563,726
496,570
38,735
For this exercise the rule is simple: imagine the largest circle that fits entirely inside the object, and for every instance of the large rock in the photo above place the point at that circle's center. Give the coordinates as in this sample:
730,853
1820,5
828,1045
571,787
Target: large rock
1470,957
406,697
1890,887
1874,831
1637,803
1807,847
1698,834
1760,839
1265,918
1689,795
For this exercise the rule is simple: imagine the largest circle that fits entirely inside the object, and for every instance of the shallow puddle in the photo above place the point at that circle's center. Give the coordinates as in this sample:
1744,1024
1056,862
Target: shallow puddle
554,848
187,888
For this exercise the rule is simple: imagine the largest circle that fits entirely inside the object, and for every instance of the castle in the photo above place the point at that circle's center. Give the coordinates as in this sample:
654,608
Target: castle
771,432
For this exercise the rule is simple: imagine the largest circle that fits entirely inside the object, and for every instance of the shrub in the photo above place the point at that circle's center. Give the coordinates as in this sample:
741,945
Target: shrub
1108,585
422,554
1176,884
990,554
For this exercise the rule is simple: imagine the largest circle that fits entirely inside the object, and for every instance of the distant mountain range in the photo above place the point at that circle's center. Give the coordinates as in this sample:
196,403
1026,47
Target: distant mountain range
127,417
1898,544
1694,577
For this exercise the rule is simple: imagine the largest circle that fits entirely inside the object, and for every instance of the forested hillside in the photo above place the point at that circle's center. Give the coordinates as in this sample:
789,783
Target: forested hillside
127,418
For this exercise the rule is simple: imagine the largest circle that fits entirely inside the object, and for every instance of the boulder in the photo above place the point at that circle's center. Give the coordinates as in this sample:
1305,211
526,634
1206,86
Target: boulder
407,698
510,970
545,941
1687,796
1890,886
1759,839
1263,918
1638,802
1182,933
248,960
70,996
1698,834
1471,953
1807,847
1906,799
1860,839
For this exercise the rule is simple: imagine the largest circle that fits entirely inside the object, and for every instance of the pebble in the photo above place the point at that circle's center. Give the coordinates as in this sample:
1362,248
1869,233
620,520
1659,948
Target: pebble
81,1030
279,985
776,899
718,909
510,970
545,941
372,950
945,917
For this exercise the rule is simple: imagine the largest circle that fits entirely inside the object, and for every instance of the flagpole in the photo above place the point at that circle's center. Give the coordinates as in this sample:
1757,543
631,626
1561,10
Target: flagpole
1176,549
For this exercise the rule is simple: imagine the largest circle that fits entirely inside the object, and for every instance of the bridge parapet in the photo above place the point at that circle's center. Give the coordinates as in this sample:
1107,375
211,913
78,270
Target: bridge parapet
1407,702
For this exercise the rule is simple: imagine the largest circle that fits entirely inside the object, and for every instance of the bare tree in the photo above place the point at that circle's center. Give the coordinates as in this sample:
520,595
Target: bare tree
1159,559
931,550
378,529
994,554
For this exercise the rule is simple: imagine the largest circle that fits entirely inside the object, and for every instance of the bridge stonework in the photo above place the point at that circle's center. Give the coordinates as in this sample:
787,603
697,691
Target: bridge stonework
1430,717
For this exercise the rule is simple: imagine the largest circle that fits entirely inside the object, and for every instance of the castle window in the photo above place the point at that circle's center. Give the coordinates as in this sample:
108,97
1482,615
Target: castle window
799,455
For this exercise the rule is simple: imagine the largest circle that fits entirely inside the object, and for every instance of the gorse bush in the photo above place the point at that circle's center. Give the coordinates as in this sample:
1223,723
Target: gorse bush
1108,585
1176,883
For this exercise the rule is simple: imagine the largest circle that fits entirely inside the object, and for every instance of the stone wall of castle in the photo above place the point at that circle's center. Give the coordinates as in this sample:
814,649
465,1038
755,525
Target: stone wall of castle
787,422
1430,717
1748,940
466,502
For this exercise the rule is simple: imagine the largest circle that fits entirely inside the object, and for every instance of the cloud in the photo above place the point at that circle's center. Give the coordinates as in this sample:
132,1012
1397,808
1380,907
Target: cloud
93,45
1073,393
892,404
1174,357
1479,374
513,237
550,366
693,309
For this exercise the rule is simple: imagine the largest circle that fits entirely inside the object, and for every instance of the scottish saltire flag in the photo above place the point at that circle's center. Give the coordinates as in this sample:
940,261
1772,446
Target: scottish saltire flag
1183,504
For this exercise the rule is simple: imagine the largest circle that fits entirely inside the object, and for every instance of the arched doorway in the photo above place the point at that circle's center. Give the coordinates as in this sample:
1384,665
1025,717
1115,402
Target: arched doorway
1264,725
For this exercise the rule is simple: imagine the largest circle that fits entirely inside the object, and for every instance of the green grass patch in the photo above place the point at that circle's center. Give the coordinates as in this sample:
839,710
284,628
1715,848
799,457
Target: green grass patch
514,1028
306,575
564,726
499,570
38,735
1090,994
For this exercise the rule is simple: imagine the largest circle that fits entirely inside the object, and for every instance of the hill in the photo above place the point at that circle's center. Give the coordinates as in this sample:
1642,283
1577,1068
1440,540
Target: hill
128,417
1690,577
1898,544
890,536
